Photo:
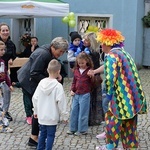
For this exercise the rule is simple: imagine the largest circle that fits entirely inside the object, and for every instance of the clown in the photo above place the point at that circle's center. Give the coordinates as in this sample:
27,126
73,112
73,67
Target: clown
123,90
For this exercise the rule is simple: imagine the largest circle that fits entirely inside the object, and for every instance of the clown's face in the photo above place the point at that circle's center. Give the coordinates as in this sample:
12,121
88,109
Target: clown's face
106,49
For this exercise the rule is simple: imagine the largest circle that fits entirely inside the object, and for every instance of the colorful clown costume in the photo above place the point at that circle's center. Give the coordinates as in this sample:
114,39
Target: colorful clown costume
124,90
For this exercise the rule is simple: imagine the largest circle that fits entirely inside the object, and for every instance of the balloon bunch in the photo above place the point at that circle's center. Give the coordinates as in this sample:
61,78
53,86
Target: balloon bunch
92,29
70,20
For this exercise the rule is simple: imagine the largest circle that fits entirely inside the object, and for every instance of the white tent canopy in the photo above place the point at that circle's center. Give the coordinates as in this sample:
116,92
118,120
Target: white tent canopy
32,8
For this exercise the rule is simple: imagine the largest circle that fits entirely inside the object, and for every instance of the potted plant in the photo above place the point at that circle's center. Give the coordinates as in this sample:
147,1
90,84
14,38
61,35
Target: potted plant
146,54
25,39
146,20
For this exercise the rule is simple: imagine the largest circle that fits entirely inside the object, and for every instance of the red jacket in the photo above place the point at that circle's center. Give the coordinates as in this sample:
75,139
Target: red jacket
4,73
82,83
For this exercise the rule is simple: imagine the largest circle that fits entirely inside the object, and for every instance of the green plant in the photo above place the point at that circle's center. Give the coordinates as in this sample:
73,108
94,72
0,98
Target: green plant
146,20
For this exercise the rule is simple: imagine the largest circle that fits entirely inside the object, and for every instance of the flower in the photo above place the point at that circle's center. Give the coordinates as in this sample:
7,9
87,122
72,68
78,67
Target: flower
25,39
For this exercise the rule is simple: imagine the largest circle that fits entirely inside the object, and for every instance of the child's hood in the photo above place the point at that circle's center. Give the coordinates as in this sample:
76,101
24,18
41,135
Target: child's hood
47,85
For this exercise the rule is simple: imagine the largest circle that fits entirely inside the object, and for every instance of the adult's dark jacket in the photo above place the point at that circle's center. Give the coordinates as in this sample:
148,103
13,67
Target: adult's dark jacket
27,52
10,51
35,69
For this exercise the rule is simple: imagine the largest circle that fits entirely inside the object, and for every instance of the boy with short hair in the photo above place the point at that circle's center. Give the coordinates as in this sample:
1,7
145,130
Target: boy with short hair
49,102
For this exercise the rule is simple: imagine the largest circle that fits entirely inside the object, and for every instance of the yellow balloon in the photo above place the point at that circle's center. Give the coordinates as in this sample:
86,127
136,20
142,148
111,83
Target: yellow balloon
90,28
95,29
87,31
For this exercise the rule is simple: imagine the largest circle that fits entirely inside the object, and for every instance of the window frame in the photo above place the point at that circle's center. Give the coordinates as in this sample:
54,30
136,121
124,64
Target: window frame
109,16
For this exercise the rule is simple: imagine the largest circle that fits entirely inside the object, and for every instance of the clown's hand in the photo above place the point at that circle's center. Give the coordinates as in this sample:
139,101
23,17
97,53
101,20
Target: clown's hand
90,73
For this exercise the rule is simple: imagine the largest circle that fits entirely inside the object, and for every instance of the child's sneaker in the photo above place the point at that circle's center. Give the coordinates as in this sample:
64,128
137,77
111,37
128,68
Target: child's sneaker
70,132
29,120
5,129
8,116
5,122
80,133
101,136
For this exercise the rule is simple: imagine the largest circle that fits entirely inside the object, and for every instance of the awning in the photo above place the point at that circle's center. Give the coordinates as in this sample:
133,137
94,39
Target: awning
32,8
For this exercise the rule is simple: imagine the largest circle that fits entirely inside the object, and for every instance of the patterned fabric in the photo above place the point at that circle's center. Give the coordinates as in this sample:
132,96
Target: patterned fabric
126,129
123,86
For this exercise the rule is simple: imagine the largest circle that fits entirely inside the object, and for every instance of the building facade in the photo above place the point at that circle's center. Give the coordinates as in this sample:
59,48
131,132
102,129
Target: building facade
123,15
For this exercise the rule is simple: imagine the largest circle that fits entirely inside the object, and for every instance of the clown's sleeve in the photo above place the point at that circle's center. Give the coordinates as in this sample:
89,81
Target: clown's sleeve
111,74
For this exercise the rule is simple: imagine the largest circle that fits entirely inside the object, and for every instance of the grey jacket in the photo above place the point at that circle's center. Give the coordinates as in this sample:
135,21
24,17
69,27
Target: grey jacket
35,69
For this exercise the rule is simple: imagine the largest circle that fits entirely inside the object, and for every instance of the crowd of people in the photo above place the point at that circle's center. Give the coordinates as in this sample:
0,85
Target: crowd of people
93,99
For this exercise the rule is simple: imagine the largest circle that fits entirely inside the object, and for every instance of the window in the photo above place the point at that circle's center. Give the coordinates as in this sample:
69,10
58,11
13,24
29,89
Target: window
18,28
85,22
27,26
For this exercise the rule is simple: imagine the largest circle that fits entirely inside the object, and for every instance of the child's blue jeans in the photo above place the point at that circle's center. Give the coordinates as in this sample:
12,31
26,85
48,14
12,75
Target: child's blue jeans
47,136
80,113
6,96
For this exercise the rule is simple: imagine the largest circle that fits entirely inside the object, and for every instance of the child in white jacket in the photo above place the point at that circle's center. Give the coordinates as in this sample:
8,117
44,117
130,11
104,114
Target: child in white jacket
49,102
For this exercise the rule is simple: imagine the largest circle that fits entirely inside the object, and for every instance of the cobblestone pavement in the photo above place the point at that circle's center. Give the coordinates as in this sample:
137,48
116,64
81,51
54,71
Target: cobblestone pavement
18,139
